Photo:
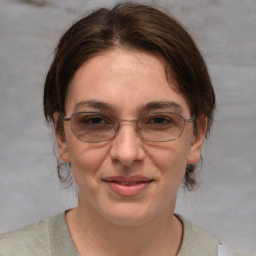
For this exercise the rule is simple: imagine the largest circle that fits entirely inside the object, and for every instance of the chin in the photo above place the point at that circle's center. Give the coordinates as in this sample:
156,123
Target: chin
129,216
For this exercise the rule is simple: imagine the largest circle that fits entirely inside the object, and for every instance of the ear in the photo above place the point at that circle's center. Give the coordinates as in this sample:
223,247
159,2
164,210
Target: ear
197,143
61,140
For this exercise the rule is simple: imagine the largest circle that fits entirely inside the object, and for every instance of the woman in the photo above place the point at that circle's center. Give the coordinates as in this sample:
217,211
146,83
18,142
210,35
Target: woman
131,101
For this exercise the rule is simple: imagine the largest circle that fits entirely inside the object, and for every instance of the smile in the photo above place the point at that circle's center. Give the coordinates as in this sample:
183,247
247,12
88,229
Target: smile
128,186
124,183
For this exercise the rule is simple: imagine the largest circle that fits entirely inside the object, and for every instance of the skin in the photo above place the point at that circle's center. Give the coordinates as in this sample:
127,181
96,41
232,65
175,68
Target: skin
105,223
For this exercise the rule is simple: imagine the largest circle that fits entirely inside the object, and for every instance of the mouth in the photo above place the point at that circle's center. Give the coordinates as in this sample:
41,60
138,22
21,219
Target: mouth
132,183
127,186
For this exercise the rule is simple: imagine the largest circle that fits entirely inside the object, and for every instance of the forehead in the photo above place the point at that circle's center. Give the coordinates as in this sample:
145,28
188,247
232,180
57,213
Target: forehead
123,79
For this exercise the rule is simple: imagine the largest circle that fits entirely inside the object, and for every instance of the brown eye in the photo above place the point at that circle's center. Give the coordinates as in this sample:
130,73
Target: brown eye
161,120
96,120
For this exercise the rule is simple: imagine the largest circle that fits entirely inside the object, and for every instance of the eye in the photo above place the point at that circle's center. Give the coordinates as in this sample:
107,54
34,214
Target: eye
96,120
84,121
157,120
92,123
161,120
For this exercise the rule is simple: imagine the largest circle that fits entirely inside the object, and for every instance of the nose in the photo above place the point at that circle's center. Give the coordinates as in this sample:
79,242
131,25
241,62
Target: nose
127,146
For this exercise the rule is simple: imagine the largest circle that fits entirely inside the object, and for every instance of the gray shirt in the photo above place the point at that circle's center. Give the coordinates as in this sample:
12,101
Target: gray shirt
51,237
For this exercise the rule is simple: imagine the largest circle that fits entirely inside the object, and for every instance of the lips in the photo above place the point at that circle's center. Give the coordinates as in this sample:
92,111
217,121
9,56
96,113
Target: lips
125,183
127,186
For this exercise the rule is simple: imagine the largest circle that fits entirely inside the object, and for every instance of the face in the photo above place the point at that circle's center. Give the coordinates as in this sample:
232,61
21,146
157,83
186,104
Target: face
127,180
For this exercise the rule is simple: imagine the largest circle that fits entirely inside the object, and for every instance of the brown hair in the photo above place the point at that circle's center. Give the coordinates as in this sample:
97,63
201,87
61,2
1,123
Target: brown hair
135,26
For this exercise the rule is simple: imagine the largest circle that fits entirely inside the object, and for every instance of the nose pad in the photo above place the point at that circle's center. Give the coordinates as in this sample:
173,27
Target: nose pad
119,127
127,145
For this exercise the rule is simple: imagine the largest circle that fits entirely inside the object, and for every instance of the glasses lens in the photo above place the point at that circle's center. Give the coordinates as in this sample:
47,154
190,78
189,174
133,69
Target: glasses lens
93,127
161,126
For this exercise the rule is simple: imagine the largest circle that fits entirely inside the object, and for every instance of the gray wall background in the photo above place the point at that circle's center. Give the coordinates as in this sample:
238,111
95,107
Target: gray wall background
225,203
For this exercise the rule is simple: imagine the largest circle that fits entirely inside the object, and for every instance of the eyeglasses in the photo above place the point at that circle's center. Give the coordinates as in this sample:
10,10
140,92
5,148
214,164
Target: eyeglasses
96,127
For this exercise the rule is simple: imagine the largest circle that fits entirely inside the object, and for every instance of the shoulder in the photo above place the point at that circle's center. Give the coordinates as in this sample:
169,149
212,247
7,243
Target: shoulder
30,240
196,242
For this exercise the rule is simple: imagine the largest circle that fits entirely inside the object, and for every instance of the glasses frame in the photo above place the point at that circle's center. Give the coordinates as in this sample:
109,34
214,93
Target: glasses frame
68,119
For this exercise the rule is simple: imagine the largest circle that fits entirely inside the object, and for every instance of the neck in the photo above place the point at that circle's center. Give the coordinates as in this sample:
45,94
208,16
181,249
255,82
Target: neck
93,235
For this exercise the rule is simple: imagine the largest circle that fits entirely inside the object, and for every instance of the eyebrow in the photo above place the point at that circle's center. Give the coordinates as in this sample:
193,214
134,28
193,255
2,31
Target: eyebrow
163,105
94,103
153,105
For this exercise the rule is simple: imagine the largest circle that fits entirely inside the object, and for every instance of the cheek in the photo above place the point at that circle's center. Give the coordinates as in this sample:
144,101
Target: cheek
171,161
170,158
86,159
82,156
